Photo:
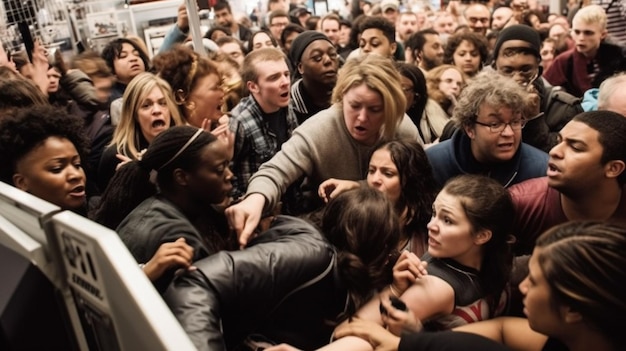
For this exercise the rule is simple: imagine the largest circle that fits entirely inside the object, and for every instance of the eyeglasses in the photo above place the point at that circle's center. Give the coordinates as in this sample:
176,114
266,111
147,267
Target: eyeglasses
474,20
498,127
279,24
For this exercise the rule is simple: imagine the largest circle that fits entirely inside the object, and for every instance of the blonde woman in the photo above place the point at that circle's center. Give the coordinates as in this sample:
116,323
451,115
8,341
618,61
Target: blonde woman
368,107
148,109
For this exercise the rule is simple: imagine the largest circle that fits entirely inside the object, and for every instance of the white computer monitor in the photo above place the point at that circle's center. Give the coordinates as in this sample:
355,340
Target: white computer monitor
32,301
69,283
118,306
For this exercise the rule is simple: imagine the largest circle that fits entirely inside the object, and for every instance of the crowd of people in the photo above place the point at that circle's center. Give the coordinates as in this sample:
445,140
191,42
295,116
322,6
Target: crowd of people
384,177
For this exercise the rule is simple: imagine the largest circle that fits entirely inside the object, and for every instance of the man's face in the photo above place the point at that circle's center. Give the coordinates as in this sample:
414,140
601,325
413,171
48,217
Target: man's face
575,162
407,25
587,37
500,17
271,90
319,63
432,52
489,146
279,5
522,67
344,35
391,14
373,40
444,24
234,51
330,28
277,26
224,18
477,17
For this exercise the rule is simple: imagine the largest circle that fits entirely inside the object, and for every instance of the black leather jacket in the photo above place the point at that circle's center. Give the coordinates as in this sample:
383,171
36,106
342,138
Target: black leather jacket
283,286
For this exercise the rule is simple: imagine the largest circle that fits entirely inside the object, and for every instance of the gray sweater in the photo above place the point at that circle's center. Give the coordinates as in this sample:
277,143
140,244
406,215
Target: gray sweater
321,148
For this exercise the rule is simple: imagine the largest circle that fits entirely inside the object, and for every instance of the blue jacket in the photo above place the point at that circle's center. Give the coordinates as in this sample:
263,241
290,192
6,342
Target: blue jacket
454,157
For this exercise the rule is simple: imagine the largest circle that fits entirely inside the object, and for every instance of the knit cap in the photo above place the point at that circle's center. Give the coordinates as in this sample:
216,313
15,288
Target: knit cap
519,32
302,41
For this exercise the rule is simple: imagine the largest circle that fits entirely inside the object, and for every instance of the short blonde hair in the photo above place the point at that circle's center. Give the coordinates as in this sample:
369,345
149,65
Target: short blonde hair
379,74
591,14
126,135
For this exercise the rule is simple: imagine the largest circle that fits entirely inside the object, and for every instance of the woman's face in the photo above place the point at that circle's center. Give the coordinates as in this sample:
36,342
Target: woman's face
153,114
409,91
467,58
450,231
262,40
128,64
211,181
537,307
383,175
451,82
207,97
52,171
363,113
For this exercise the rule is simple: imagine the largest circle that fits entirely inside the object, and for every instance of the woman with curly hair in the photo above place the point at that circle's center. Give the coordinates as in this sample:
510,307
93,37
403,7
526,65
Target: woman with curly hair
40,151
197,85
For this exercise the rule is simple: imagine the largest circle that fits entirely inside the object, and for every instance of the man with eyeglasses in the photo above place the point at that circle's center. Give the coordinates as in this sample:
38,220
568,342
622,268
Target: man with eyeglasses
517,55
477,16
278,20
490,115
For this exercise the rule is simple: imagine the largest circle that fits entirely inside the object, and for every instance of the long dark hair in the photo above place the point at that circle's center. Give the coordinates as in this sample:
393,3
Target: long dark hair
488,205
417,182
131,184
364,228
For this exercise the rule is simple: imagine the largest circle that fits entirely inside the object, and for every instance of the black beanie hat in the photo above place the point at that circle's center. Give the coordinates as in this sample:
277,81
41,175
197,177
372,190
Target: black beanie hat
519,32
301,42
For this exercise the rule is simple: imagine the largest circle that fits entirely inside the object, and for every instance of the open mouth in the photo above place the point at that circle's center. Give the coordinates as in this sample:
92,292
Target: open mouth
159,123
284,95
78,191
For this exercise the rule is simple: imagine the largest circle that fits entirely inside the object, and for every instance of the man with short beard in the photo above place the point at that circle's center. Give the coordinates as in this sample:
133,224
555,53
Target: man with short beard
224,18
407,25
425,48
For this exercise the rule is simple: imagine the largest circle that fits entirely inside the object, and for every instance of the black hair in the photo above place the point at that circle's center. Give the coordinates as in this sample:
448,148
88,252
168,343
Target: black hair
21,130
209,33
363,226
413,73
131,184
114,48
611,128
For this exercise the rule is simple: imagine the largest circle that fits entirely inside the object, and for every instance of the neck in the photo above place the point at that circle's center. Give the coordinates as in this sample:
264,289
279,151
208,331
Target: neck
182,201
263,106
598,203
234,28
318,92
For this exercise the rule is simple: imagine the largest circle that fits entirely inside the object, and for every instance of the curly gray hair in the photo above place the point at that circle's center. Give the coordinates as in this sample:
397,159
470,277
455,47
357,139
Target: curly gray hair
491,88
